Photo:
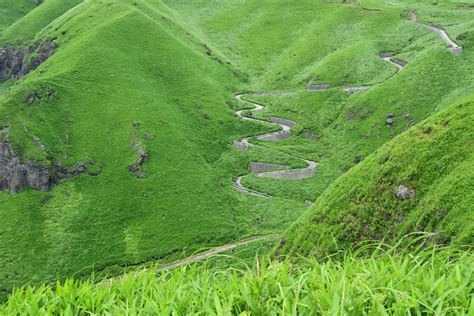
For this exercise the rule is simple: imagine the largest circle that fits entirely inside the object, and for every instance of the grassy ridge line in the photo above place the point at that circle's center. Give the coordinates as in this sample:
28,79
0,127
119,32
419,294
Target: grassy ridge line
389,282
26,28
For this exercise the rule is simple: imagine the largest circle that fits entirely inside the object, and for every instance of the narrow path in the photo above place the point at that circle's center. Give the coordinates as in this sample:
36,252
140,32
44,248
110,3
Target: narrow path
197,257
454,48
285,132
213,251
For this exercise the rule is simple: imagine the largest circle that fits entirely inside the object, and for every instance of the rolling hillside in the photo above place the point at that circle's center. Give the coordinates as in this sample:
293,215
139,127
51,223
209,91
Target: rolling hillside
121,134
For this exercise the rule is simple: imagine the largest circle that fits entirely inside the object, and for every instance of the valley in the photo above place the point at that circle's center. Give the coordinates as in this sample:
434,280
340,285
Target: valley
148,136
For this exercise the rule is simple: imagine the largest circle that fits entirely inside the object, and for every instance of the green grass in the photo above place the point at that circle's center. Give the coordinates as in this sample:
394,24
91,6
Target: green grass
26,28
434,159
389,282
12,10
163,74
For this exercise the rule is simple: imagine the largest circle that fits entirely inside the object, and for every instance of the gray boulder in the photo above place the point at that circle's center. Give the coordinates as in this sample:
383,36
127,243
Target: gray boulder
403,192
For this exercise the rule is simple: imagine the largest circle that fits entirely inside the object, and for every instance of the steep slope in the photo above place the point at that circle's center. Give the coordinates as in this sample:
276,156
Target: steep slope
12,10
132,119
26,28
420,181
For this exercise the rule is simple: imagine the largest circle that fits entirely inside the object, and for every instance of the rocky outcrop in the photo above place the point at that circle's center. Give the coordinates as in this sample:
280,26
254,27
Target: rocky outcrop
14,176
403,192
136,168
15,63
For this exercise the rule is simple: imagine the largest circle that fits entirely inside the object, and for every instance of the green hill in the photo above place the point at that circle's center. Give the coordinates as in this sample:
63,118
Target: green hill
118,122
120,87
420,181
12,10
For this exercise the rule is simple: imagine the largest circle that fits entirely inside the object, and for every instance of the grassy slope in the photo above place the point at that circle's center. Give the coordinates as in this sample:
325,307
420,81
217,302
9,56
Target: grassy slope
429,282
132,220
307,41
119,79
12,10
25,29
434,158
335,128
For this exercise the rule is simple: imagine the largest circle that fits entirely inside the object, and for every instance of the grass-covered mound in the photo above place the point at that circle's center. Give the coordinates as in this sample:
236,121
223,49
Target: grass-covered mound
388,283
122,81
420,181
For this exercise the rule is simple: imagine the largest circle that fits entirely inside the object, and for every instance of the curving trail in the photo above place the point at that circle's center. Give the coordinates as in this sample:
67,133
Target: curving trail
213,251
284,133
397,64
454,48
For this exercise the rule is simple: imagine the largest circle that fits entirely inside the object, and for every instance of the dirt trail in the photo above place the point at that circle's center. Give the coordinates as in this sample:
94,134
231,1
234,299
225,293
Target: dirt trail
213,251
197,257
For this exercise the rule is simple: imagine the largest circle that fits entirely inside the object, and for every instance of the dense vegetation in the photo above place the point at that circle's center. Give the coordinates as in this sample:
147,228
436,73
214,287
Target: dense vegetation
141,95
429,282
431,162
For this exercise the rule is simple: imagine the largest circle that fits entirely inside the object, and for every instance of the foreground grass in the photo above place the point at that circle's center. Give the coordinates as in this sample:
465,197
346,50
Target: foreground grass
432,281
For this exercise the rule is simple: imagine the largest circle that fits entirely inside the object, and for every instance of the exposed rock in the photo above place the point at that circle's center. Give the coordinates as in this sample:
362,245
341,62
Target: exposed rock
15,176
143,157
308,203
403,192
38,143
357,159
242,145
389,121
14,62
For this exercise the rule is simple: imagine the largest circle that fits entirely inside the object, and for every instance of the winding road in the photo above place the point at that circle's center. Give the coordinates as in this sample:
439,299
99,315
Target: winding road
454,48
286,125
270,170
284,133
